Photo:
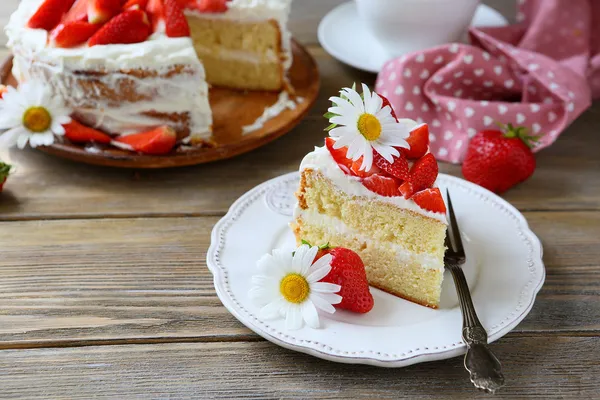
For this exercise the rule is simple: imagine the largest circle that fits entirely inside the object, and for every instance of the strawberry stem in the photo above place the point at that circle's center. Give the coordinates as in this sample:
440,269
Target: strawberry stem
4,170
520,132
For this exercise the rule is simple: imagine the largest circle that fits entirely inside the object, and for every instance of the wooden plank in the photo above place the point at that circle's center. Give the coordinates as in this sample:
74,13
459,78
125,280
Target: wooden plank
66,281
553,368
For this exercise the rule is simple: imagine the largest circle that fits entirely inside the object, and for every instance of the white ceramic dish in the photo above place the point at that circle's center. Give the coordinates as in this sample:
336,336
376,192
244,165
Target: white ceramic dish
504,269
343,35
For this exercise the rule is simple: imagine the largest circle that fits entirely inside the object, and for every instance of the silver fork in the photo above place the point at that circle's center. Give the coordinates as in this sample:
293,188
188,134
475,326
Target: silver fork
482,364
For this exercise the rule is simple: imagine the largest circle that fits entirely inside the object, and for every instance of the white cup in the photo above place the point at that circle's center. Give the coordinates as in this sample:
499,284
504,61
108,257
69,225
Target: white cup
404,26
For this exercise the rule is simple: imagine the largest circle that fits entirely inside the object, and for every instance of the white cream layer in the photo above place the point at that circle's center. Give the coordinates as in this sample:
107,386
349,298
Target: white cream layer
320,159
259,10
283,102
335,226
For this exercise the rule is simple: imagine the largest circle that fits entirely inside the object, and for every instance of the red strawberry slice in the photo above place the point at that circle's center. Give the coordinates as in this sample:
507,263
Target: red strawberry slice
422,176
156,12
176,23
73,34
131,26
386,102
355,169
382,185
348,271
79,12
399,169
79,133
156,142
339,156
49,14
212,6
418,141
430,200
135,5
100,11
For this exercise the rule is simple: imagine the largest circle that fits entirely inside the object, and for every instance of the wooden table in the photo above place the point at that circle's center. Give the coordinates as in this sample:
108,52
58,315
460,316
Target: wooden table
104,289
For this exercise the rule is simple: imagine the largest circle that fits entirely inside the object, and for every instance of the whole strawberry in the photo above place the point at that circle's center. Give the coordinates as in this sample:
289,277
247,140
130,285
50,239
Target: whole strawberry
348,271
4,171
499,159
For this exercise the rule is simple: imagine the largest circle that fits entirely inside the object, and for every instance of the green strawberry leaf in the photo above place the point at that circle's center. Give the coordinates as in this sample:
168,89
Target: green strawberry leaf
4,170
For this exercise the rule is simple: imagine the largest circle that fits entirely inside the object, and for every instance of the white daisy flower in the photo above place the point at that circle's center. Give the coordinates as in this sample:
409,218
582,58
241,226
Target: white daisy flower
32,115
288,286
362,124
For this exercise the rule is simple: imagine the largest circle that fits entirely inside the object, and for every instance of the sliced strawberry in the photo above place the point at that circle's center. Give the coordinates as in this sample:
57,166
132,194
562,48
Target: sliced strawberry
386,102
212,6
73,34
418,141
131,26
355,169
79,12
135,5
79,133
382,185
156,12
422,176
49,14
339,155
430,200
399,169
156,142
100,11
175,21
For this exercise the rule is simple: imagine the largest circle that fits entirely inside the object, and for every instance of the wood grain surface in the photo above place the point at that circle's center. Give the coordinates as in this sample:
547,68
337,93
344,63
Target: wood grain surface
104,289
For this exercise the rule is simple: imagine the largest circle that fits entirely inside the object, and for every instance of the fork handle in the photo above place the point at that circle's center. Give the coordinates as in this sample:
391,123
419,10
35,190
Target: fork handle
472,332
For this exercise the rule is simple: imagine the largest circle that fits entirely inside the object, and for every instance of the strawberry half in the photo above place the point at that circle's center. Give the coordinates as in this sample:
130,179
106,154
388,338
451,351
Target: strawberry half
156,142
430,200
73,34
175,21
156,12
418,141
339,156
135,5
386,102
49,14
348,271
100,11
399,169
382,185
212,6
129,27
423,174
79,12
79,133
4,171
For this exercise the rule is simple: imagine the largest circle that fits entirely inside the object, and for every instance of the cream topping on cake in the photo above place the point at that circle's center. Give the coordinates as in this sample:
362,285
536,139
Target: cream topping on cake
36,59
320,159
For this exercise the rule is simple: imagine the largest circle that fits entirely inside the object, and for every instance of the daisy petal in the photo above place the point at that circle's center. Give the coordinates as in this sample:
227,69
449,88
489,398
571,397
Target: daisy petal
320,263
9,138
293,317
319,274
322,304
272,310
23,139
325,287
330,298
310,315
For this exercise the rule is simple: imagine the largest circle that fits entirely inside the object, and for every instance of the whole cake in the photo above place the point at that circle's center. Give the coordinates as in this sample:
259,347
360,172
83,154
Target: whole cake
128,66
371,188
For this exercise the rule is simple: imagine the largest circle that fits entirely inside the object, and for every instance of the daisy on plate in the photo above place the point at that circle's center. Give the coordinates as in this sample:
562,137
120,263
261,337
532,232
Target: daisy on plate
288,287
362,124
31,114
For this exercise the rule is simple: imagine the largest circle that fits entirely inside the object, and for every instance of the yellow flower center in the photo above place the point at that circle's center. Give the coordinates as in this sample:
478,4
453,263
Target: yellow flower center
369,126
294,288
37,119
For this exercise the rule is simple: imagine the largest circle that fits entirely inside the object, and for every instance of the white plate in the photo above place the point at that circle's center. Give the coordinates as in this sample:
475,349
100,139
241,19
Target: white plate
505,271
343,35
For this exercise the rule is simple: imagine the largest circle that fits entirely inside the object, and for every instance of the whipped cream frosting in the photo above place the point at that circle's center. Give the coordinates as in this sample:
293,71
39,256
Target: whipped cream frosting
320,159
35,58
336,226
283,102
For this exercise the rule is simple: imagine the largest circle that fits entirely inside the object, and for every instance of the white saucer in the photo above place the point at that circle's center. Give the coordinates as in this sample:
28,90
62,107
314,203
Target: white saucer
505,271
343,35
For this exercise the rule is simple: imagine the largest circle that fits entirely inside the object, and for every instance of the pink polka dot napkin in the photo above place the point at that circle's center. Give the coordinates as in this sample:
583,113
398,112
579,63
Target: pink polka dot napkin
540,73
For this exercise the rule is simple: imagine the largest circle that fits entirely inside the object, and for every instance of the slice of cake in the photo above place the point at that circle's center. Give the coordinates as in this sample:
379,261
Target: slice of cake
129,66
371,188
